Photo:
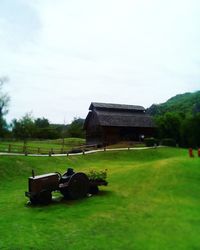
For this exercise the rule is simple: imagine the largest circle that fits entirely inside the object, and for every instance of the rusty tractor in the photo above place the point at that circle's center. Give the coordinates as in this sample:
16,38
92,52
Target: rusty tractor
71,185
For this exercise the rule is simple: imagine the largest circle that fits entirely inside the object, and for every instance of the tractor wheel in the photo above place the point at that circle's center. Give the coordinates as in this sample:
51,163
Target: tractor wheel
45,197
34,200
93,190
77,188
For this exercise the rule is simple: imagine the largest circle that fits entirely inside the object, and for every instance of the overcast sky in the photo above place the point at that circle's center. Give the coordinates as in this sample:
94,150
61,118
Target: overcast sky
61,55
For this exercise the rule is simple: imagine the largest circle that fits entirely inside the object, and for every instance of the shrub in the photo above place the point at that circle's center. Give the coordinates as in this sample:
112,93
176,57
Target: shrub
169,142
150,142
97,175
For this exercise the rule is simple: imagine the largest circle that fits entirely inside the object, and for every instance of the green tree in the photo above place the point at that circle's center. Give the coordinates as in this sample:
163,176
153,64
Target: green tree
169,125
190,131
42,123
4,102
75,129
24,128
43,130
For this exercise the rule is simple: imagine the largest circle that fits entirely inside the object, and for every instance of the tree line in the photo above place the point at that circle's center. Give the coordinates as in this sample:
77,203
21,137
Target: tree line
28,127
179,119
183,130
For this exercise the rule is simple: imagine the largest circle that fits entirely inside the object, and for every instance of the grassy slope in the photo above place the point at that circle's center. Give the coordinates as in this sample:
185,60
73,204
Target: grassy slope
44,145
152,202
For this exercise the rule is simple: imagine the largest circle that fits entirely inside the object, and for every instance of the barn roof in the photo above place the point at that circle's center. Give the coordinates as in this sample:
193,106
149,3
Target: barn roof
124,119
119,115
106,106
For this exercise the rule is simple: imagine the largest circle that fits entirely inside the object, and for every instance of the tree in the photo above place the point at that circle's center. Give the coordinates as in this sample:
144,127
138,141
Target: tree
75,129
24,128
154,110
45,130
190,131
4,102
196,108
169,126
42,128
42,122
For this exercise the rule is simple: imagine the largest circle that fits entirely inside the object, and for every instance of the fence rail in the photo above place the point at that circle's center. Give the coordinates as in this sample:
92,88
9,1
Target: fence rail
25,149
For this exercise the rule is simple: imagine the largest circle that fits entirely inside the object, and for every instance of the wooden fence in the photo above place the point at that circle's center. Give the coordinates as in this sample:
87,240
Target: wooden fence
24,149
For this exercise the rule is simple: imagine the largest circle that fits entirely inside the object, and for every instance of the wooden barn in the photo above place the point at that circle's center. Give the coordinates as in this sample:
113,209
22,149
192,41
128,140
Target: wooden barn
108,123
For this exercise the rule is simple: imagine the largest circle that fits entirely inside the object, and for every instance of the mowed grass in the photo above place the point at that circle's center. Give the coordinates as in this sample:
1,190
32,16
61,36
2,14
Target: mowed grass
44,146
152,202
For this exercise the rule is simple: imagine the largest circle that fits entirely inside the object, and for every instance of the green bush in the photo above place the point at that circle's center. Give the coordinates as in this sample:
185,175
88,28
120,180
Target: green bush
169,142
150,142
97,175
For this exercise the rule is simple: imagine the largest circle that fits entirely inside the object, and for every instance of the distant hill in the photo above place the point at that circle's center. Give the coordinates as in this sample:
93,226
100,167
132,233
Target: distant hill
188,103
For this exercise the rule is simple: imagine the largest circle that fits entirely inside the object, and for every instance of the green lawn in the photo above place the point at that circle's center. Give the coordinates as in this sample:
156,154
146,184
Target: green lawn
152,202
42,146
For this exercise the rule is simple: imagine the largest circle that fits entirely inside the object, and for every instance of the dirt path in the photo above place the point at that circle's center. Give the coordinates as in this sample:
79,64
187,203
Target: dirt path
82,153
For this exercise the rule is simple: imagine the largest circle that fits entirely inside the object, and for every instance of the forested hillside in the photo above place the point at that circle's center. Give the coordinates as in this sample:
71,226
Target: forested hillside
187,104
178,119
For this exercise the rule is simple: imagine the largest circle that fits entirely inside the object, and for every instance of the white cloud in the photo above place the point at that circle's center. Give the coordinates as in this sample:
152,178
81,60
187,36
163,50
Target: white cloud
69,53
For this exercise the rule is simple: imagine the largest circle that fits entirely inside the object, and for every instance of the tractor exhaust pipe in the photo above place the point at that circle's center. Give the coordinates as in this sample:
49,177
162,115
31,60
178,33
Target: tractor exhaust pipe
33,173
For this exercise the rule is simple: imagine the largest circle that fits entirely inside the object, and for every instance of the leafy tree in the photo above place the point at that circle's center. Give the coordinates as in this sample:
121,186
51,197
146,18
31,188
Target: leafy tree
154,110
190,131
75,129
169,126
178,119
43,130
4,102
27,127
24,128
196,108
42,123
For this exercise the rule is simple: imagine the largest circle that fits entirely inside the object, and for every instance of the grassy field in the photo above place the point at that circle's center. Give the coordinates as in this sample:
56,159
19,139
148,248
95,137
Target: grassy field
152,202
42,146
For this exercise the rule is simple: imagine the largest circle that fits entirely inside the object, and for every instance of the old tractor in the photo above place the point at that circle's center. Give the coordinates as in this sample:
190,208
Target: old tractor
71,185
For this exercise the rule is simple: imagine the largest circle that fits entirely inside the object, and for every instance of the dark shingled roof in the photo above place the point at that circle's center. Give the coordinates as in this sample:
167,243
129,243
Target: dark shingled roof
124,119
119,115
98,105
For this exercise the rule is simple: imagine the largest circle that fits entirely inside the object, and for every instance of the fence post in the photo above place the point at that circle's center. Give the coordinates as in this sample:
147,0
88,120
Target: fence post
38,150
9,148
83,151
104,149
49,153
25,149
